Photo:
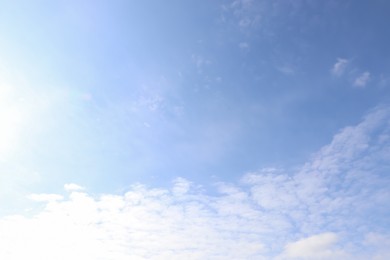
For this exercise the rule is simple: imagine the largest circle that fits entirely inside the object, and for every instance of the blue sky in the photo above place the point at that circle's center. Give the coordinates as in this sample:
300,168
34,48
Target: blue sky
264,123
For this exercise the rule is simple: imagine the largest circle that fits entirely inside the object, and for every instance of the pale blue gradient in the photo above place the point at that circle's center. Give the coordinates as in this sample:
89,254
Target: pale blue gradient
106,94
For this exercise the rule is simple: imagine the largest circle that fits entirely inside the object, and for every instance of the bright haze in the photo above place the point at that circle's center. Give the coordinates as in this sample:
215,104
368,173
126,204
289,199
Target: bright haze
224,129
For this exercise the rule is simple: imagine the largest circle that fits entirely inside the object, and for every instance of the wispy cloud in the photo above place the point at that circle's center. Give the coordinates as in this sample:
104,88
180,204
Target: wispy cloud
73,187
200,62
286,69
362,80
314,247
45,197
384,81
246,14
327,209
243,45
339,67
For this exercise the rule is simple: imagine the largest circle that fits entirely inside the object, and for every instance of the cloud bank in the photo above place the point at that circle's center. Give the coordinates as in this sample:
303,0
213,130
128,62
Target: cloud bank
335,206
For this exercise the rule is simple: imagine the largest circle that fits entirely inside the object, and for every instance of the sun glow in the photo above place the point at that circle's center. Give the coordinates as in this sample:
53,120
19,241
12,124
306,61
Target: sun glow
14,117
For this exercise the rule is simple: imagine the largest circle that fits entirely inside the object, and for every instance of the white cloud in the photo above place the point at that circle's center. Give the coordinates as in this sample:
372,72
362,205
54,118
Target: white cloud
72,187
339,67
315,247
362,80
142,224
326,210
44,197
181,186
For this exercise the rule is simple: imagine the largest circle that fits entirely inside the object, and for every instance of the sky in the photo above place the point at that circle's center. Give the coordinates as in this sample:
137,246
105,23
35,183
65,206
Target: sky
225,129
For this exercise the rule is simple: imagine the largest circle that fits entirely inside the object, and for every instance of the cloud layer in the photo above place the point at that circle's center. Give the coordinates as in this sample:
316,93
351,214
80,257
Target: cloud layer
333,207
